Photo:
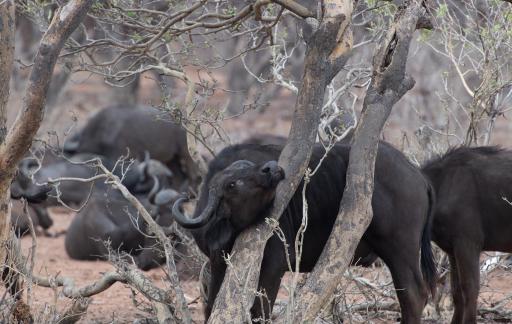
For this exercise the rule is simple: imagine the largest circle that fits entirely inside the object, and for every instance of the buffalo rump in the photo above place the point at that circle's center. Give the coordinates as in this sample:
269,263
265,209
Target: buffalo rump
471,216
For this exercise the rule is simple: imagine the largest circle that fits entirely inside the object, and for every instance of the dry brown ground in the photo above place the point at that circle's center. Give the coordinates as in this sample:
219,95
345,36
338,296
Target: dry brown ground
116,304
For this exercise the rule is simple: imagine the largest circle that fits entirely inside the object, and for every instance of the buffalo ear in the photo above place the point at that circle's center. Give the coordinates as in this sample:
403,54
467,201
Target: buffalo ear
220,236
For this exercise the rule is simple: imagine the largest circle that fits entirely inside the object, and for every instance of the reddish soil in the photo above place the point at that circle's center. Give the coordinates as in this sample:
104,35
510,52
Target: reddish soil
113,305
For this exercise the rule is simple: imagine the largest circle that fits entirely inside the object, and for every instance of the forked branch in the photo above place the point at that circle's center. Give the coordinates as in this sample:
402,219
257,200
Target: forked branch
328,48
389,83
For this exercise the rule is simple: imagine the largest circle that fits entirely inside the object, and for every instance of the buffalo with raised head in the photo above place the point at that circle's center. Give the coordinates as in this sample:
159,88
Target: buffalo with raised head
240,187
116,130
472,215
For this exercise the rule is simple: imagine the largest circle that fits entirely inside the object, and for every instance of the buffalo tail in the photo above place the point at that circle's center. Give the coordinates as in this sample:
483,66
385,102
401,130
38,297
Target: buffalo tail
428,265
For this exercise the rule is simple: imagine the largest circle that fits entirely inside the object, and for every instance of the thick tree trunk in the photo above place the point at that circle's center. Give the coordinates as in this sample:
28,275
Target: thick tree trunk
17,141
7,30
327,48
389,83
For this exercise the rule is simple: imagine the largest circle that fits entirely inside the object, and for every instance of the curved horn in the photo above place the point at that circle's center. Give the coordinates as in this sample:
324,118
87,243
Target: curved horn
165,197
26,165
199,221
154,190
143,168
146,162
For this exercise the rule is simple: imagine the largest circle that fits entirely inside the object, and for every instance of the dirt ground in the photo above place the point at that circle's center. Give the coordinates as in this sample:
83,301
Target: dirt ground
115,305
118,304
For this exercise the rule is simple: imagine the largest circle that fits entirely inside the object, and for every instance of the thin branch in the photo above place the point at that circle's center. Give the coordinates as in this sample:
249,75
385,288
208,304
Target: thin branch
296,8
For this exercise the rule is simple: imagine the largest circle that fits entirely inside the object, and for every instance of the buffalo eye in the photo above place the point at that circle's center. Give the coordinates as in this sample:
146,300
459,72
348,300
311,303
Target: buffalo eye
233,184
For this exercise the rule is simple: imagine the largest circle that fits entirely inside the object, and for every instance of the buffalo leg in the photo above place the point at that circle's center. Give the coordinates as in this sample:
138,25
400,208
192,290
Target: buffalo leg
410,287
273,267
12,282
458,300
410,291
218,270
269,282
364,255
44,218
467,259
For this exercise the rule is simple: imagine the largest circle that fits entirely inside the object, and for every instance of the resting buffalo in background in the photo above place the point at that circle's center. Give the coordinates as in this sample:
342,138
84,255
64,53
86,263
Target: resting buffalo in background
239,190
471,216
113,130
40,195
37,213
73,193
108,216
20,221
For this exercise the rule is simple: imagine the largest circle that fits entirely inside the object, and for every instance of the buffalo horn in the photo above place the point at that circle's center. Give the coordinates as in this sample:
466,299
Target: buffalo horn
144,166
166,196
199,221
27,165
154,190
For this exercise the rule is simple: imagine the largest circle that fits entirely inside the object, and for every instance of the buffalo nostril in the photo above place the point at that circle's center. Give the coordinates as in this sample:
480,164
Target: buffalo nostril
269,167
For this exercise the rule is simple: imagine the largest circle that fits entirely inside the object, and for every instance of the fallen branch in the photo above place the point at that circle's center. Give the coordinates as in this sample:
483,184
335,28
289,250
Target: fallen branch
498,309
126,274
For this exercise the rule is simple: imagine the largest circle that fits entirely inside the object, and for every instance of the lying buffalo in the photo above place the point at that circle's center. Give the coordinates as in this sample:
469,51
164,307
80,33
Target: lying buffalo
113,131
71,193
20,219
108,216
471,216
240,187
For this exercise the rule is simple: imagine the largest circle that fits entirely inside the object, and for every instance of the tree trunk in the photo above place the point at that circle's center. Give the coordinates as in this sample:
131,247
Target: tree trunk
15,144
327,47
7,30
389,83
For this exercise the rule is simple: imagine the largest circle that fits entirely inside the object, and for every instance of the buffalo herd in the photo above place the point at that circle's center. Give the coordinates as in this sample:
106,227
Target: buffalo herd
460,200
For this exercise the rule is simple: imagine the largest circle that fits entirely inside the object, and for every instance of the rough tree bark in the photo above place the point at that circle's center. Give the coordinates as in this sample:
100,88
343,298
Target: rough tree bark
328,40
17,141
7,30
389,83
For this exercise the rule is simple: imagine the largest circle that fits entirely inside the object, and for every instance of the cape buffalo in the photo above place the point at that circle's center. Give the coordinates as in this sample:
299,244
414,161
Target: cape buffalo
240,187
72,193
152,254
20,221
108,216
471,216
114,130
